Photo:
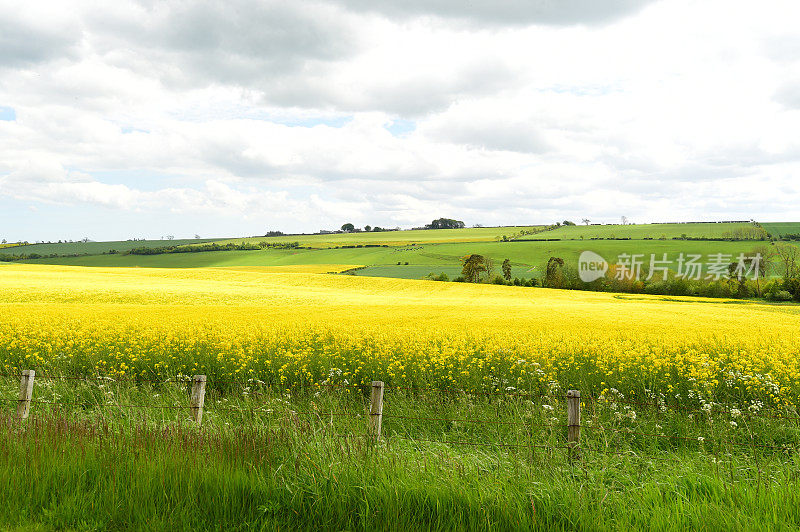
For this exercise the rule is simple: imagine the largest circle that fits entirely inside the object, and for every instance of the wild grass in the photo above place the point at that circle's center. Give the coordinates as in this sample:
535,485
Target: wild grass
275,459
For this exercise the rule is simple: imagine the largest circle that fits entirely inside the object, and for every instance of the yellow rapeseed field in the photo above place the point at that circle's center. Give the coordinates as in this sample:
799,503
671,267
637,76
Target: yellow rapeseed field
300,328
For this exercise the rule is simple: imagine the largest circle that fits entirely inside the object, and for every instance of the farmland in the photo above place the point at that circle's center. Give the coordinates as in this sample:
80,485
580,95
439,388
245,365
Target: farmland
645,231
472,437
292,328
683,396
527,257
780,229
91,248
396,238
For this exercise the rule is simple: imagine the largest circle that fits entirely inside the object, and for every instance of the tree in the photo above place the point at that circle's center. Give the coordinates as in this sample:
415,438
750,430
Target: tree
445,223
488,263
507,269
197,236
554,276
474,266
586,221
767,255
348,228
789,257
567,222
367,228
624,220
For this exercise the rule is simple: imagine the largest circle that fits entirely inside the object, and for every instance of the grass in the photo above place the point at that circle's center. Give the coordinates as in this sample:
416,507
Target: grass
254,464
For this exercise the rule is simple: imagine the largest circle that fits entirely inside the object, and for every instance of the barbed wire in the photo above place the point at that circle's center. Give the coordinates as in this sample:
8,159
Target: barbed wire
479,444
488,421
695,410
698,439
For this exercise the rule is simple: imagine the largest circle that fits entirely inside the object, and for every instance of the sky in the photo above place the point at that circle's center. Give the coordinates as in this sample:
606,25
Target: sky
143,119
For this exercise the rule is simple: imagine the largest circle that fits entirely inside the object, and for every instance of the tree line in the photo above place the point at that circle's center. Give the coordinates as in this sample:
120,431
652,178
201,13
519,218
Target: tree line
780,258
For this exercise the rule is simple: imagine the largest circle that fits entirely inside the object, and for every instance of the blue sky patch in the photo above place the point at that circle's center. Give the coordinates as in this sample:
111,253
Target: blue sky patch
400,127
7,113
130,129
337,121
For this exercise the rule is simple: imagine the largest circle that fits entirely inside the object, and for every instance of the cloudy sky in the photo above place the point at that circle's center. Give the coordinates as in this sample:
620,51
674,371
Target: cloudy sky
141,119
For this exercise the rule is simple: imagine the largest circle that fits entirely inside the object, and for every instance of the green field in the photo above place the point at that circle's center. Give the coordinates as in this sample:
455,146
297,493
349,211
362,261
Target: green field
527,258
394,238
430,251
650,231
94,248
779,229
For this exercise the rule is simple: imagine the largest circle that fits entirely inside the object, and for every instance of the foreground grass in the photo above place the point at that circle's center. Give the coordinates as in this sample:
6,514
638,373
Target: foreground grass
276,460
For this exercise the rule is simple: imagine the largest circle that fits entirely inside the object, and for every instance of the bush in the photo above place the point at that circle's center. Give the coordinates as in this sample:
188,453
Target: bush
779,295
793,287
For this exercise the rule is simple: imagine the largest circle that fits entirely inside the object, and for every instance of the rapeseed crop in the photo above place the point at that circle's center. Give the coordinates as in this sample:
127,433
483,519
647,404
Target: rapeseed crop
305,329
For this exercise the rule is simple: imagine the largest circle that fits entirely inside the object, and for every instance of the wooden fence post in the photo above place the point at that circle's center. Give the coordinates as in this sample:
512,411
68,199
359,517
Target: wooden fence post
376,410
25,394
574,423
198,397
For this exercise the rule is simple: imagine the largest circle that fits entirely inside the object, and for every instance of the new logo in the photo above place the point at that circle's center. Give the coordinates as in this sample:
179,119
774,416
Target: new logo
591,266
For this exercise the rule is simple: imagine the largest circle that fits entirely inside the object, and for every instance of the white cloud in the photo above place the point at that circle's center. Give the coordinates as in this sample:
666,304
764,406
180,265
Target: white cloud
521,111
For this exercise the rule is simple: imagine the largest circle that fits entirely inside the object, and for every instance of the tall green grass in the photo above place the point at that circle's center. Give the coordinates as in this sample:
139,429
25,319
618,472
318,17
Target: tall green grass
269,459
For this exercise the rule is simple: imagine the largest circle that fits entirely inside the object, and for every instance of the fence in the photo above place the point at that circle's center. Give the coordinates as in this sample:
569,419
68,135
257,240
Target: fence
376,413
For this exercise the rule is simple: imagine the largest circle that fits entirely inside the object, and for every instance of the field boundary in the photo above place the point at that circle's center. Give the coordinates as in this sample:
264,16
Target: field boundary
375,414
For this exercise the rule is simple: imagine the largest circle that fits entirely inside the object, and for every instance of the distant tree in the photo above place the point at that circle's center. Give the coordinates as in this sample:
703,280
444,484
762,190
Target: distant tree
567,222
586,221
474,266
445,223
624,220
367,228
170,237
554,275
766,255
488,263
348,228
5,241
377,229
196,236
507,269
269,233
789,257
